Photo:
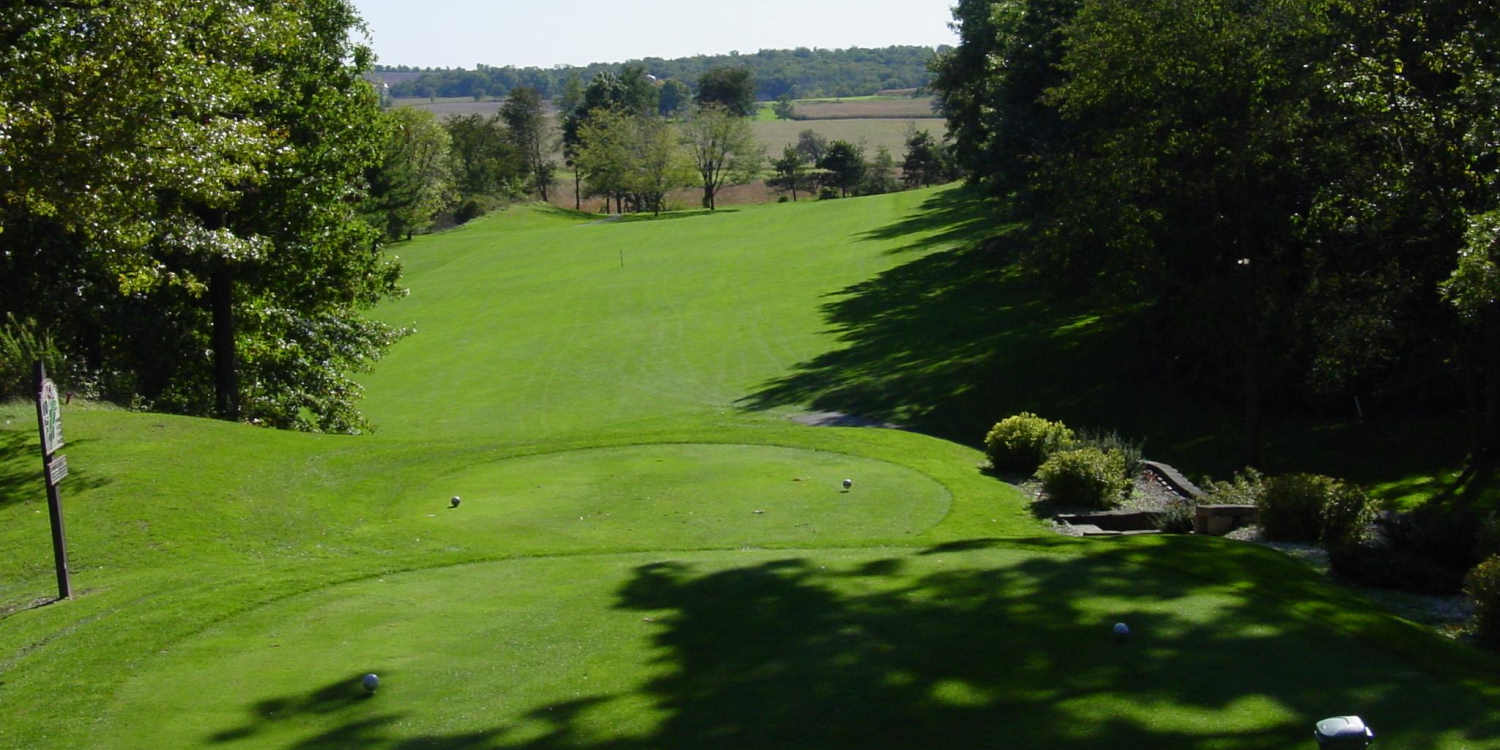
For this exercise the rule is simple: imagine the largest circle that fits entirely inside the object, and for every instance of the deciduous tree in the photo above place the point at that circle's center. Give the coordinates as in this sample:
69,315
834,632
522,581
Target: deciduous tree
723,148
413,181
791,172
730,88
182,177
526,129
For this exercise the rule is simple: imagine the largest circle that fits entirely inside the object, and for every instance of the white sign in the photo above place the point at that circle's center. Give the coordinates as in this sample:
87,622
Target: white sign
50,410
57,469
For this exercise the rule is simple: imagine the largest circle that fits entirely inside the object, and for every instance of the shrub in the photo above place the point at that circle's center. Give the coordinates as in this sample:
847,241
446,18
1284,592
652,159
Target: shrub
1246,488
1111,442
1347,513
1084,477
22,343
1291,508
468,211
1023,441
1482,584
1177,517
1381,564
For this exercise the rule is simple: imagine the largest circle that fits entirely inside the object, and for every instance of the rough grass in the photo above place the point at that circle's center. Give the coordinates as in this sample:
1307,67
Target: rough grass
610,400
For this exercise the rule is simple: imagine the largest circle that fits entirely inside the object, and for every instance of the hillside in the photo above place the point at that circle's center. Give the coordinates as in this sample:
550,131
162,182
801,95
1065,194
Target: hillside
651,548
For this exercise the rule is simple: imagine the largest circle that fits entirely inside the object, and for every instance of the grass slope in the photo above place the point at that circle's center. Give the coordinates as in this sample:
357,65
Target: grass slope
648,553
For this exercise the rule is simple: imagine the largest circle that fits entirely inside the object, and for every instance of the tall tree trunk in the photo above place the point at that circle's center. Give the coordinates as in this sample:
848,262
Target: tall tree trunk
226,378
577,190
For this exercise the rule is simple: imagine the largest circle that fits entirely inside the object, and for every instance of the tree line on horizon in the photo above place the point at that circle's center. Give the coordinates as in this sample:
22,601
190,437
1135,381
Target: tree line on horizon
625,138
800,73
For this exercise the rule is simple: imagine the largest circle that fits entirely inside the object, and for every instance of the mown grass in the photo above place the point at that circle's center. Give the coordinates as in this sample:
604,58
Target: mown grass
650,554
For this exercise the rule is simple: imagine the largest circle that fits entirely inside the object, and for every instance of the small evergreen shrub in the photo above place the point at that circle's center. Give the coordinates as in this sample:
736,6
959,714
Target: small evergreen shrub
1021,442
1084,477
1482,584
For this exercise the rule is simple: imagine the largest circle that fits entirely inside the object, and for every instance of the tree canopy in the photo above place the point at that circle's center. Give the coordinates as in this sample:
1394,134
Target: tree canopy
729,88
1300,191
802,72
182,178
723,149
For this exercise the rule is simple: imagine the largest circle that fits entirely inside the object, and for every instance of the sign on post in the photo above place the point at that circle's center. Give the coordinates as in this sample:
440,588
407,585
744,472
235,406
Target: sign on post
54,468
57,469
50,414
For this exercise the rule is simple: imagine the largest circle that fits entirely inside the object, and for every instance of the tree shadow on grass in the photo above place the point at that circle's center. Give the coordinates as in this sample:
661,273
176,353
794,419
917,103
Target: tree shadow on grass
21,470
960,336
957,215
976,646
953,340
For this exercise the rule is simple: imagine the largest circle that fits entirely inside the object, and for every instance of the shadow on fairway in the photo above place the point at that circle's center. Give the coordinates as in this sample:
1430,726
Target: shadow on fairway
957,651
959,337
953,340
20,478
21,470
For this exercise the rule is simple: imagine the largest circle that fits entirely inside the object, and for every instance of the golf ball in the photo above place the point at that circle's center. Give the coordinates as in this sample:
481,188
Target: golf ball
455,501
370,682
1121,629
848,483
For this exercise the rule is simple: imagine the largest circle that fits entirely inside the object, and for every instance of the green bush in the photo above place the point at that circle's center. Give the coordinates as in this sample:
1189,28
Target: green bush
1314,508
1084,477
1246,488
1347,514
467,211
22,343
1482,584
1111,442
1023,441
1291,508
1177,517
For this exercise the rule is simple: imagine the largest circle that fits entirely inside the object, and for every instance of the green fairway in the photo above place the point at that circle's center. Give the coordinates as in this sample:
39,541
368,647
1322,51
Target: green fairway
650,550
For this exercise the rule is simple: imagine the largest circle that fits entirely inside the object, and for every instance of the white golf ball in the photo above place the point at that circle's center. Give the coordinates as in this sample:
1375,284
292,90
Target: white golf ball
455,501
1121,629
370,682
848,483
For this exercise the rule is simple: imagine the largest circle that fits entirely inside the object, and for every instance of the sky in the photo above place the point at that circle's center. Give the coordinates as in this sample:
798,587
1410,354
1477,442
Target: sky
544,33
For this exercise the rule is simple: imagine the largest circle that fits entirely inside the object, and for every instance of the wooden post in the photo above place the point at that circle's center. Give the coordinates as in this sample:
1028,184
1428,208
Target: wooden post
54,501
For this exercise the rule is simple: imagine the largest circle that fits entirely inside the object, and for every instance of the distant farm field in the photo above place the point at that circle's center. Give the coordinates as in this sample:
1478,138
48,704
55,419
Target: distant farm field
865,107
872,134
455,105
